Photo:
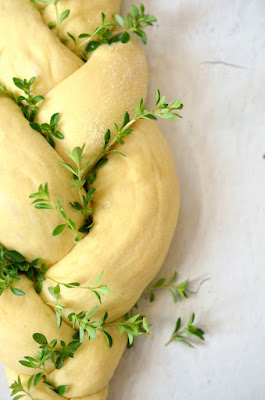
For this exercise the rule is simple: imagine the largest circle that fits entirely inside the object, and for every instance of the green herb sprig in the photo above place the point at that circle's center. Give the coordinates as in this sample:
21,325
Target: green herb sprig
19,391
59,308
133,325
47,352
12,265
177,291
29,105
162,109
43,202
31,108
57,354
134,22
96,290
49,131
189,330
79,175
59,17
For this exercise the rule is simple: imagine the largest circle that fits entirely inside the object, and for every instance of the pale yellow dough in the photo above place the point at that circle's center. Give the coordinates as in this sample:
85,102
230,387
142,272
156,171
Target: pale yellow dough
135,206
41,392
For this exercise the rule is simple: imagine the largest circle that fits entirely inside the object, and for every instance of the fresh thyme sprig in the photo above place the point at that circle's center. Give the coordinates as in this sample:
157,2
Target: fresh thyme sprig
17,388
49,130
56,355
79,175
55,292
43,202
31,108
176,290
96,290
49,351
12,265
161,109
134,22
188,331
59,17
29,105
133,325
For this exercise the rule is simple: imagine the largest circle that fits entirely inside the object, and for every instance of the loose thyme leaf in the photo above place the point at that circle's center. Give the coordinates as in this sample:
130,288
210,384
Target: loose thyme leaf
63,16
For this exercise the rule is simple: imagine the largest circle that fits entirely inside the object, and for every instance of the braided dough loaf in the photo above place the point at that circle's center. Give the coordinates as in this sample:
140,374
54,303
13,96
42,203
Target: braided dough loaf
136,202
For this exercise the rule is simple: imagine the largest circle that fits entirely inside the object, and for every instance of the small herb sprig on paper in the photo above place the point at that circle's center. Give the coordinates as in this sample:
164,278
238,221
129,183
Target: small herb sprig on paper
43,202
177,291
189,330
59,17
133,23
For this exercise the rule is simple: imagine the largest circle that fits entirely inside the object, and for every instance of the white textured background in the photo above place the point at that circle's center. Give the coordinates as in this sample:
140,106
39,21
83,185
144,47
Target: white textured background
212,55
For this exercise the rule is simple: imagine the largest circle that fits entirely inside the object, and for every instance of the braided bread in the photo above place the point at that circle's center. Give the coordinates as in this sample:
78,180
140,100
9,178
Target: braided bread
135,205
